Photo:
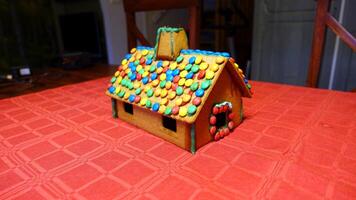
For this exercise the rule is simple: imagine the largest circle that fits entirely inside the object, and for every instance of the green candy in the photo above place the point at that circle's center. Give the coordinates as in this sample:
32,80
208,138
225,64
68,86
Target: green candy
180,59
179,90
188,67
150,56
121,93
138,91
137,62
248,86
195,68
123,82
141,71
113,79
129,74
148,104
150,93
168,111
192,109
152,68
130,85
194,86
205,84
162,84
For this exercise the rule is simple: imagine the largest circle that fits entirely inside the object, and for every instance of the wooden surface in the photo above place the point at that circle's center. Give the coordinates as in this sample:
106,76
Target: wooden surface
324,20
134,34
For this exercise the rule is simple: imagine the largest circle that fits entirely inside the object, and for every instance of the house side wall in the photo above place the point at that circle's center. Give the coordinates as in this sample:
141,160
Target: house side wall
224,90
152,122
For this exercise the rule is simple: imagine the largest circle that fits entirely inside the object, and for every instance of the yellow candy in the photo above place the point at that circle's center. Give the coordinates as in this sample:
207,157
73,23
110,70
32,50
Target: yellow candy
138,55
118,80
179,102
162,108
133,50
186,98
173,66
215,67
139,67
126,96
165,63
236,65
117,73
219,60
181,66
124,67
198,60
183,111
124,62
164,101
188,82
145,74
132,59
164,93
137,85
209,74
168,85
203,66
147,67
183,73
155,82
157,92
240,70
145,52
159,70
171,95
117,90
143,101
127,70
147,88
181,81
162,77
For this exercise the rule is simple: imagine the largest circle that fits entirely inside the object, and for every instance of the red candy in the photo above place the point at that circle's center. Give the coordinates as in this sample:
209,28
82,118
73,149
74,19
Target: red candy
201,74
232,60
122,74
138,77
212,130
142,61
175,110
174,86
197,101
226,131
217,136
230,125
119,68
165,69
137,99
212,120
231,116
215,110
176,79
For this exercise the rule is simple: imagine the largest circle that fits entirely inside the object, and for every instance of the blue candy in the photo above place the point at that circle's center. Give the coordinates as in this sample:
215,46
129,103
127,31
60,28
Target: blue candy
132,98
133,77
176,72
153,76
131,64
155,107
127,56
199,93
189,75
148,61
112,89
159,63
145,80
170,78
169,72
192,59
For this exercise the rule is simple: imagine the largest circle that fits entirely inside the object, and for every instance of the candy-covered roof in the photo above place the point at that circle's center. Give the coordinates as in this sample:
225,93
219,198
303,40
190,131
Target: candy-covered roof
178,88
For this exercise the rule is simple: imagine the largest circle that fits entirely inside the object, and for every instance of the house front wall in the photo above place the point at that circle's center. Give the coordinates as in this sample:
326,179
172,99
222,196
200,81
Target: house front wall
152,122
224,90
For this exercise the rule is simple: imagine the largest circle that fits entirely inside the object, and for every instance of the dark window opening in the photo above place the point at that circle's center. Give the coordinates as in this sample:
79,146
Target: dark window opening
220,119
169,123
128,108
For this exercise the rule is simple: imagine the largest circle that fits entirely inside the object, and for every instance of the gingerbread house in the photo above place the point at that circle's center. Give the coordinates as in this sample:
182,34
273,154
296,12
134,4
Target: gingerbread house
187,97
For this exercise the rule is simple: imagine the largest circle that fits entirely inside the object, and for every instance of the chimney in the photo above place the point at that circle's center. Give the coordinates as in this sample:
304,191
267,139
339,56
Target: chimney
169,43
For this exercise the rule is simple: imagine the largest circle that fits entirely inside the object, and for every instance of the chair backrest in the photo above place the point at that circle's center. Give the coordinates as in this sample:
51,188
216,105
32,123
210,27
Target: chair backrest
323,20
134,34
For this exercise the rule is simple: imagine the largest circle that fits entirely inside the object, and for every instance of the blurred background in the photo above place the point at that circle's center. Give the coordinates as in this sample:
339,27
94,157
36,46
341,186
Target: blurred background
48,43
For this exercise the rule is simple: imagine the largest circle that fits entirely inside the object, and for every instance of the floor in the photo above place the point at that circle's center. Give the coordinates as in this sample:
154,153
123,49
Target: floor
295,143
51,77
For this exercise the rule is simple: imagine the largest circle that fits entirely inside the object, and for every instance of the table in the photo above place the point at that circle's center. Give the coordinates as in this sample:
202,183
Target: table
295,143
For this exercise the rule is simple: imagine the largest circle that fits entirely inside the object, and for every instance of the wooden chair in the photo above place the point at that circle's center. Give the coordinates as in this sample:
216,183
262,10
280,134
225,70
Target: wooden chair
323,20
134,34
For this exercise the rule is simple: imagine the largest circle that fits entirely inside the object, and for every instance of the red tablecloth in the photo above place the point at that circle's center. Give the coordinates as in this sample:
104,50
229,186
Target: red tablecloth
295,143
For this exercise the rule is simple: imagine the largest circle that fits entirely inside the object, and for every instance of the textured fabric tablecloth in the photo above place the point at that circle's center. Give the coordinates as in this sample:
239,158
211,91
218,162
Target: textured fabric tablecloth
295,143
